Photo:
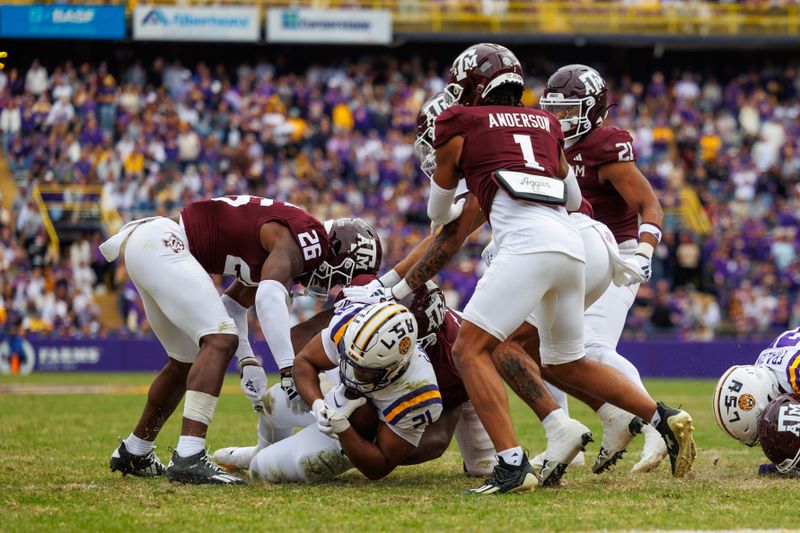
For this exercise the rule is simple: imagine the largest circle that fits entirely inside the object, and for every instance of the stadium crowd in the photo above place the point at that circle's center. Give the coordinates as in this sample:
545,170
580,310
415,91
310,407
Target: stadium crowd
338,140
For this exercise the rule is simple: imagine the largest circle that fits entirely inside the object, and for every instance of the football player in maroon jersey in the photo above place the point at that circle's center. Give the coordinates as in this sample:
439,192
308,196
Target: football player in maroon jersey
604,160
543,265
268,246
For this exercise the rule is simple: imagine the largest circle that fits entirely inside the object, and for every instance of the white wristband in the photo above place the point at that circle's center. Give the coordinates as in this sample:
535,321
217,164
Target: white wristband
401,290
390,278
652,229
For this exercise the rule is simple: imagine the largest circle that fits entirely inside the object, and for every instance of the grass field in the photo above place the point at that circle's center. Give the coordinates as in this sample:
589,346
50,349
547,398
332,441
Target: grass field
54,451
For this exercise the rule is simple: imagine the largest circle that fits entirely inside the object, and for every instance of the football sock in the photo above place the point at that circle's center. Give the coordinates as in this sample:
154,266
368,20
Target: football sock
511,456
656,419
138,446
552,421
190,445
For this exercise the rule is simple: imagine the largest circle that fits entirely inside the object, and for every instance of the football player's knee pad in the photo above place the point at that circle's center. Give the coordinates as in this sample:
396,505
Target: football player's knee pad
476,447
276,464
609,356
559,396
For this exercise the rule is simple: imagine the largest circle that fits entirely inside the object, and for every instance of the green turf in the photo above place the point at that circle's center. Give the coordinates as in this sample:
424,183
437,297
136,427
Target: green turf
54,452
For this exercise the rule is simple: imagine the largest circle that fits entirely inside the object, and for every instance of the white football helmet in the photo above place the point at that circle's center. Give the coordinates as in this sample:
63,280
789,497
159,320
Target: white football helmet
377,346
742,394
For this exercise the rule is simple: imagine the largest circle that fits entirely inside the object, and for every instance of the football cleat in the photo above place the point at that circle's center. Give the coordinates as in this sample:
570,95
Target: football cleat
770,470
508,478
199,469
136,465
580,460
653,452
234,459
566,442
676,429
619,427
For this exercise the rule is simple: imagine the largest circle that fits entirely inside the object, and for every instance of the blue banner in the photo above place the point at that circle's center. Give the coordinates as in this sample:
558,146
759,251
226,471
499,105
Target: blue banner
62,22
663,359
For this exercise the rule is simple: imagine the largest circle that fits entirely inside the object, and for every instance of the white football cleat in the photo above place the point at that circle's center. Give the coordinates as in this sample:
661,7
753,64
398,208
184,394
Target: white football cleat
580,460
619,427
234,459
653,452
563,444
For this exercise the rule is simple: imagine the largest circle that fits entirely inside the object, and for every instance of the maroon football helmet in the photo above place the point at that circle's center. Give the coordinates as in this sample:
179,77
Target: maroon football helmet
355,249
426,120
578,97
779,432
478,70
428,307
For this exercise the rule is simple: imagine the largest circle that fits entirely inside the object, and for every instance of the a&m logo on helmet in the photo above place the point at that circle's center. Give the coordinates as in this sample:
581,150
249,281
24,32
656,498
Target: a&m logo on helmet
366,253
467,61
789,419
746,402
592,81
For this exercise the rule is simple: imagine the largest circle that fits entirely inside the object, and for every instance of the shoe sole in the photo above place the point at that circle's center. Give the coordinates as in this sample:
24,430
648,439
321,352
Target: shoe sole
553,479
681,426
648,465
528,484
192,480
602,467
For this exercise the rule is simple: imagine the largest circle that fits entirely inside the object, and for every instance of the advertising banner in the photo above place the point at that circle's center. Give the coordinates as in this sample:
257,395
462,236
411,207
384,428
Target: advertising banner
235,24
665,359
62,22
329,26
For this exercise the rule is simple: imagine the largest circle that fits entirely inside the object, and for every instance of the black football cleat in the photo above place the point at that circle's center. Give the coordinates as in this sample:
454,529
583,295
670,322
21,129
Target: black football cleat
508,478
676,429
771,470
199,469
136,465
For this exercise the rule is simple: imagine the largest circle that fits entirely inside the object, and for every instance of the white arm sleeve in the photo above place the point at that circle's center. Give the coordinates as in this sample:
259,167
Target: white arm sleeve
440,203
574,196
273,315
239,315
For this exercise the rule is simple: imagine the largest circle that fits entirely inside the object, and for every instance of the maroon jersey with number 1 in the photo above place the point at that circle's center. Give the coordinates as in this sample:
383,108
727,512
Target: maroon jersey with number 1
601,146
224,235
501,137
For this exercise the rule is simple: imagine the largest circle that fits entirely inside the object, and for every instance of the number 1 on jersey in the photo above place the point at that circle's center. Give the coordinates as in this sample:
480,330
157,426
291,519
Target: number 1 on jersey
524,142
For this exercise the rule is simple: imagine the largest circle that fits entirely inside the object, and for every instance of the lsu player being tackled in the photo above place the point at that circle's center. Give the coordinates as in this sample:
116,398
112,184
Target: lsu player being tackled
746,396
374,347
437,328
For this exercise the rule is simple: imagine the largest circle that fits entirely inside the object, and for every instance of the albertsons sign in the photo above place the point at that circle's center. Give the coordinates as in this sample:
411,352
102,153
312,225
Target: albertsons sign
196,24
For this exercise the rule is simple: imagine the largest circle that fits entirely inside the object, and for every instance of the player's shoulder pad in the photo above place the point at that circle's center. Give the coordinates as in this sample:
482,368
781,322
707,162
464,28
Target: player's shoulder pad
425,397
342,317
608,144
448,125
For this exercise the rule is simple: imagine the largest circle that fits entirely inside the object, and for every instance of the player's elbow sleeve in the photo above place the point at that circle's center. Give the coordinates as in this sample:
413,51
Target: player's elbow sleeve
273,315
574,195
439,203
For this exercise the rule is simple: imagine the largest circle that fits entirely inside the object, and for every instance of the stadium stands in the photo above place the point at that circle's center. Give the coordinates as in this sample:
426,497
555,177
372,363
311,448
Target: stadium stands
721,151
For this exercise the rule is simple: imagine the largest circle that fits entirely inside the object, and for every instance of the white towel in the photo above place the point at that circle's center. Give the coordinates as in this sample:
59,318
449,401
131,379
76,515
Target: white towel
110,248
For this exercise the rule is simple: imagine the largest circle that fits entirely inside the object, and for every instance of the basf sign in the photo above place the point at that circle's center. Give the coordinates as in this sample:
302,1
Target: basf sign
328,26
240,24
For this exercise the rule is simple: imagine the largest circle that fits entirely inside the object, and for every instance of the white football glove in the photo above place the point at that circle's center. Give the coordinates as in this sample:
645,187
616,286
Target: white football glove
293,400
338,416
643,267
369,294
455,212
320,410
254,385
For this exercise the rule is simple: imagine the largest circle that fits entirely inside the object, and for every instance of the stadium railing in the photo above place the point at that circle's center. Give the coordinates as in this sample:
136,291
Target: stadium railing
68,210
